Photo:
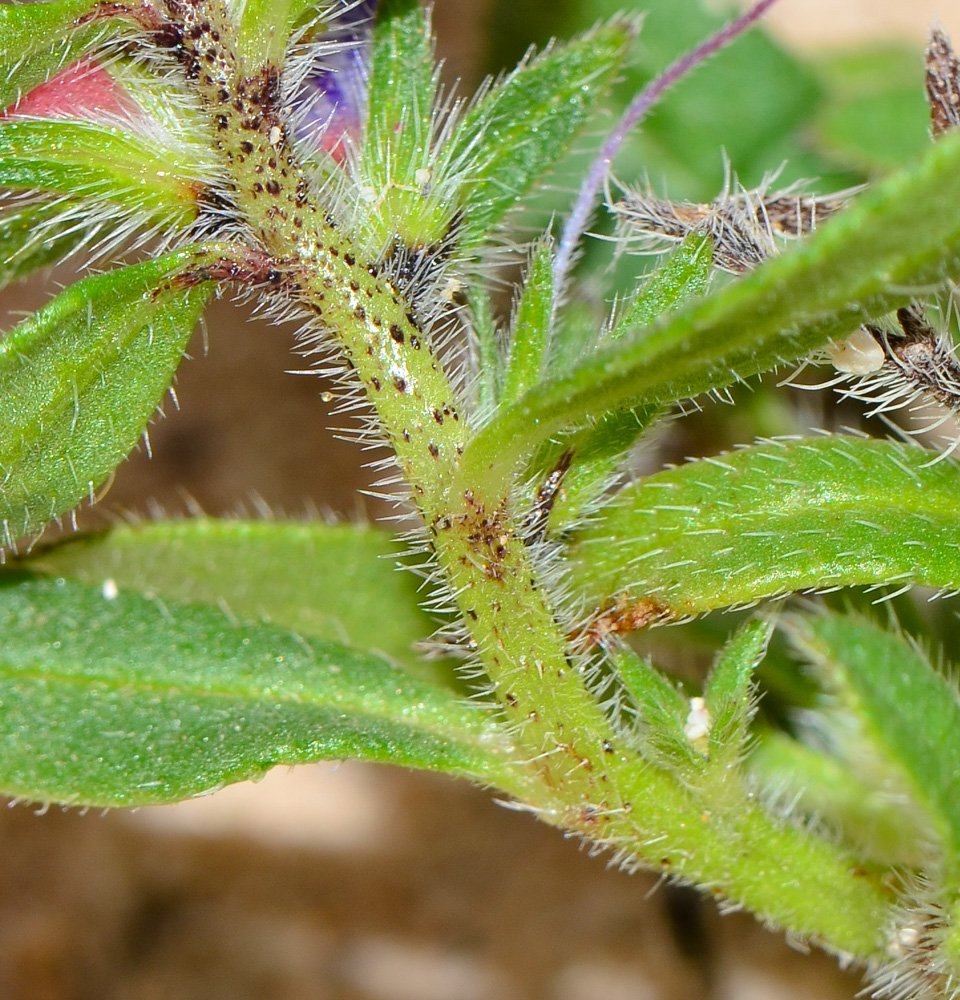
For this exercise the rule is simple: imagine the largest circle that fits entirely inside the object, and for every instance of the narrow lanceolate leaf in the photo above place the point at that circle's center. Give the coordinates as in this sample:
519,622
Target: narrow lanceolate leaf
522,126
530,336
121,700
661,710
84,158
900,235
337,582
38,39
778,517
599,450
80,379
398,157
681,277
907,707
728,694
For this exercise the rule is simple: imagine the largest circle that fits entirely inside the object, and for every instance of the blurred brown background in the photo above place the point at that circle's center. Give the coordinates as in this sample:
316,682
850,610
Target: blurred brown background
357,883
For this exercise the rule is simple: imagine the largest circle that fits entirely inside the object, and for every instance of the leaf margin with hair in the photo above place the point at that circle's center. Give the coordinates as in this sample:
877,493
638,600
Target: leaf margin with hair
323,581
651,541
496,135
79,381
117,700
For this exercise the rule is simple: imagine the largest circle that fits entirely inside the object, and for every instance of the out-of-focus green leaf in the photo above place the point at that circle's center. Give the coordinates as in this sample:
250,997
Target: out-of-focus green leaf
338,582
80,379
882,822
122,700
909,709
874,115
775,518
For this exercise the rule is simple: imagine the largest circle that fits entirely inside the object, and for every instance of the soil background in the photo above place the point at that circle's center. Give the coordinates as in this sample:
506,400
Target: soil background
356,883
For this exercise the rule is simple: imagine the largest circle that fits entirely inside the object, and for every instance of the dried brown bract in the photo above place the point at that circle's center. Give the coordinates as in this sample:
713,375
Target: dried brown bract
744,224
942,83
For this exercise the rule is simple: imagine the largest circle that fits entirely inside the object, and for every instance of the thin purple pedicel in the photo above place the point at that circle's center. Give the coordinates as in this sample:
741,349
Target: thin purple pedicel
636,111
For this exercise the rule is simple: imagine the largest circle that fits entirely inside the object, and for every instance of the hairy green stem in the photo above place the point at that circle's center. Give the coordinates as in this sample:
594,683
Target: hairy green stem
592,780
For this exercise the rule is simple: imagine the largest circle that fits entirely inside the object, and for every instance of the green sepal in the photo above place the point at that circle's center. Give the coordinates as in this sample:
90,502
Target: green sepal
774,518
119,700
521,126
37,40
325,581
91,160
530,330
728,693
909,710
79,381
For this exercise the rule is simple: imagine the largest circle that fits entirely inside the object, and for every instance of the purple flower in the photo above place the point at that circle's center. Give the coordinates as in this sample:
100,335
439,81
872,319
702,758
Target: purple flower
335,93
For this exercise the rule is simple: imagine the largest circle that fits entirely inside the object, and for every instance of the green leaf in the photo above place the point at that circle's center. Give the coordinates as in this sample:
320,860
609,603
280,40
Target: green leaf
80,379
661,709
33,236
778,517
264,30
882,822
874,114
327,581
598,451
520,127
39,39
86,159
908,708
682,276
397,163
900,235
128,701
530,333
728,693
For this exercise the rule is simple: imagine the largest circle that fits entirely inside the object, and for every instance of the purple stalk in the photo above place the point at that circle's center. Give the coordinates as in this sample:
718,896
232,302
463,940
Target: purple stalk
636,112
